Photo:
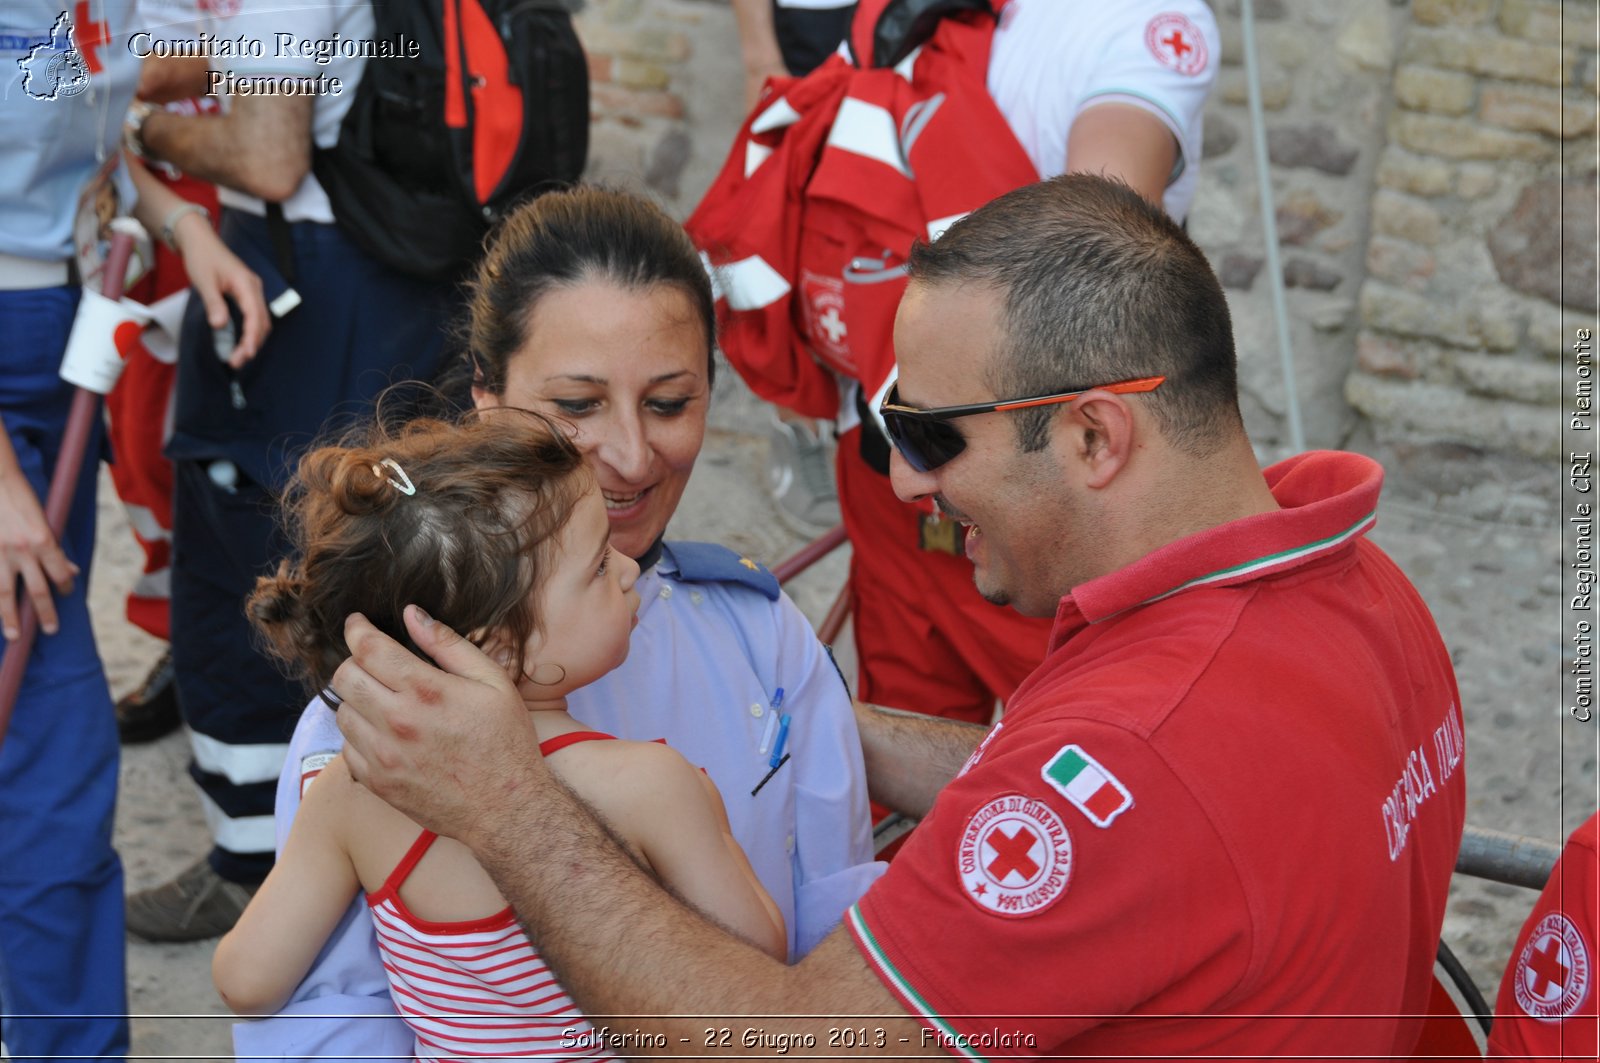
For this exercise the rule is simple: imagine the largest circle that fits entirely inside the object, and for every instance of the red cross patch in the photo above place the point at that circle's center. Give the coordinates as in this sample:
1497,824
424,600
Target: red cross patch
1015,857
1554,971
825,319
1177,43
89,35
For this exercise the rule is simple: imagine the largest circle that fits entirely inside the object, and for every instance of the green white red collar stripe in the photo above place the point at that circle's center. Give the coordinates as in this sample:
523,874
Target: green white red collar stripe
1281,559
898,984
1325,500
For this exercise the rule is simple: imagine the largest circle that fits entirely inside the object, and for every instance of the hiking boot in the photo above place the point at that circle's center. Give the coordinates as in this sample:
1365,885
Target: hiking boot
196,905
151,711
800,478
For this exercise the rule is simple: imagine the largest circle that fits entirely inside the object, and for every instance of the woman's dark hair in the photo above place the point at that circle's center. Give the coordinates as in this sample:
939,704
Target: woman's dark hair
457,516
560,240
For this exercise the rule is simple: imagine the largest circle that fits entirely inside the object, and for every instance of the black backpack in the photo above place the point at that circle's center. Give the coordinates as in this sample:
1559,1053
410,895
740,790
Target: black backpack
433,150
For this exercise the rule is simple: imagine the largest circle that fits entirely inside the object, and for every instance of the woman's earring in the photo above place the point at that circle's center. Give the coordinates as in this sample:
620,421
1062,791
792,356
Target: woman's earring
539,669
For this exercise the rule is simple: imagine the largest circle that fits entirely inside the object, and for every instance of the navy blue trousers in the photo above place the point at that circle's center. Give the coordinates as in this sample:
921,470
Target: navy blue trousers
236,439
62,951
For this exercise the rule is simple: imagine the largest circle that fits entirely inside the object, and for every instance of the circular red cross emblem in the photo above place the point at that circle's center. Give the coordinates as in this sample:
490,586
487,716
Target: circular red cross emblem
1015,856
1555,970
1177,43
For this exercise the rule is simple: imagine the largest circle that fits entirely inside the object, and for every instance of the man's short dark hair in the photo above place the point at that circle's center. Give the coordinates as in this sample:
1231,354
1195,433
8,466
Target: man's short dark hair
1099,285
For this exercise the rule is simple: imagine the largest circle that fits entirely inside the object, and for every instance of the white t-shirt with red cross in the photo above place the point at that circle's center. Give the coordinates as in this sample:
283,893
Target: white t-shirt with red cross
1053,59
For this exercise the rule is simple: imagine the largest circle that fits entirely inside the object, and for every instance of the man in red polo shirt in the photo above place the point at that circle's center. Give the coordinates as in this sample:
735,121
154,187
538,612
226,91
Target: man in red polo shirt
1219,820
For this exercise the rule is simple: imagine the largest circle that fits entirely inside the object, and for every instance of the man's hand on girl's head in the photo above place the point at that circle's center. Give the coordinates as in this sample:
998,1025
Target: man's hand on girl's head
453,748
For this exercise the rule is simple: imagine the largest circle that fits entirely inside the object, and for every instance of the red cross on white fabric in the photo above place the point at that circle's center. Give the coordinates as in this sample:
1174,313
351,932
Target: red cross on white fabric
1548,970
1011,854
1176,43
89,35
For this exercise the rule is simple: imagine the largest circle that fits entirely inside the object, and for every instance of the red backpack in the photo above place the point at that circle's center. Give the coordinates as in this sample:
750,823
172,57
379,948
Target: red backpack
832,179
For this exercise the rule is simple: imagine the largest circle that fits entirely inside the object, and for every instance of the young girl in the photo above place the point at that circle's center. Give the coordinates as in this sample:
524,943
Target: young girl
496,528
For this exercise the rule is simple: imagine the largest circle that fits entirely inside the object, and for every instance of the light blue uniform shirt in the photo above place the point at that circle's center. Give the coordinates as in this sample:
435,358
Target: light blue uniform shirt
703,666
56,127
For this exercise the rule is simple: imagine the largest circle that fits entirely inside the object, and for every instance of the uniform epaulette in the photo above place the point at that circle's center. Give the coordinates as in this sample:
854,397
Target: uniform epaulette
713,563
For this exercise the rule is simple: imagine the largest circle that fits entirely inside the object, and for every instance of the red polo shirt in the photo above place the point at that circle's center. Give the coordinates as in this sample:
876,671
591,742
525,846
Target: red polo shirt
1219,820
1547,1005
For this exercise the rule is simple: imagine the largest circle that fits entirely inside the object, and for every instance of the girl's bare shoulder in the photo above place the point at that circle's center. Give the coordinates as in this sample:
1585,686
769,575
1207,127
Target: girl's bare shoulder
624,779
372,832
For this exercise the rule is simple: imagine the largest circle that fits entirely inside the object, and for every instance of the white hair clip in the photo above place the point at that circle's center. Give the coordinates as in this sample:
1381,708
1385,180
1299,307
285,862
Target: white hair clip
403,484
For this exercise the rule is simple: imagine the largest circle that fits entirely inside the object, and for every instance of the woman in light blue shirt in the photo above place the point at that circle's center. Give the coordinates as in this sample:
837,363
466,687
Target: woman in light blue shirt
592,306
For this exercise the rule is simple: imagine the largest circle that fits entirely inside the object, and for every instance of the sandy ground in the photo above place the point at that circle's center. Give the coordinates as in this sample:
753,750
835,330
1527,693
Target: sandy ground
1492,583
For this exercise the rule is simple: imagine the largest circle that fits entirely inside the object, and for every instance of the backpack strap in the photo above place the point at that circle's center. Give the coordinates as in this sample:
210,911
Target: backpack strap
714,563
282,241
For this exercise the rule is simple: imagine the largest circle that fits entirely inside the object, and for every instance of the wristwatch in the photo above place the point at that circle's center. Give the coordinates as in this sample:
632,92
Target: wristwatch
133,128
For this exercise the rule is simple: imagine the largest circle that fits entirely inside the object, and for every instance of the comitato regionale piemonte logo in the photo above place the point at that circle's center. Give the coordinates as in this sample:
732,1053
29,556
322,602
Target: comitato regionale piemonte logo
55,68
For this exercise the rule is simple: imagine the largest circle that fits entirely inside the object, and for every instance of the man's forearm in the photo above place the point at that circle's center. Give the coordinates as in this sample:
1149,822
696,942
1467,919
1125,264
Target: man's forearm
588,907
262,147
645,966
456,753
911,757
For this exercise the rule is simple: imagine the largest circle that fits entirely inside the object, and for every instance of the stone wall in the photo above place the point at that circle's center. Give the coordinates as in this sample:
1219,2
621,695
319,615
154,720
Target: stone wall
1323,70
1482,225
1432,162
664,92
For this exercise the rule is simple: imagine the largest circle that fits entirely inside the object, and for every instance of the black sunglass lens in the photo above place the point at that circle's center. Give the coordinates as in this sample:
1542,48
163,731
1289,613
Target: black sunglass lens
940,441
926,444
897,424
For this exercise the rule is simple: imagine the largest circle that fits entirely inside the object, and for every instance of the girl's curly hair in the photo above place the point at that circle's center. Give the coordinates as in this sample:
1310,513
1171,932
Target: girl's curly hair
469,545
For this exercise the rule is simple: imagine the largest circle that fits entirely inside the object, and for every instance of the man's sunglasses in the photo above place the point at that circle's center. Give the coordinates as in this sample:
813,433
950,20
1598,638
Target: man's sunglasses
927,440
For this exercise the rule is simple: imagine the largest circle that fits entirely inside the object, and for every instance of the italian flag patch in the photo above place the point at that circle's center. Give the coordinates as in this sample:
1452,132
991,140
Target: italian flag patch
1081,779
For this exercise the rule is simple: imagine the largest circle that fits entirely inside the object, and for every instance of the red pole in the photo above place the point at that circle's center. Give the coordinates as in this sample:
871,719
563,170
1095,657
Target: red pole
838,613
63,483
804,558
809,554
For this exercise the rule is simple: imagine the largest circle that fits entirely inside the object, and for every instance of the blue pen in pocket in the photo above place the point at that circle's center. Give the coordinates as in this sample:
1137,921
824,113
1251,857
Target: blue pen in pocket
779,757
771,730
783,740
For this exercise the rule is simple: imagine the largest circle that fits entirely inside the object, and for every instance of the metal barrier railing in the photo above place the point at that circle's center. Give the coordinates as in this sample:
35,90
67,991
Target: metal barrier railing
1497,856
1514,859
810,554
804,558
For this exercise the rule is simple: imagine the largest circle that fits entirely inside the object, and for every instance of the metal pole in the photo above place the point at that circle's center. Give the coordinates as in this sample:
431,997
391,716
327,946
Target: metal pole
809,554
1514,859
1269,227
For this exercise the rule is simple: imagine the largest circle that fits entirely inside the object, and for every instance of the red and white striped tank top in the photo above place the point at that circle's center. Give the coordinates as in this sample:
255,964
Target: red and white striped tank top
476,988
